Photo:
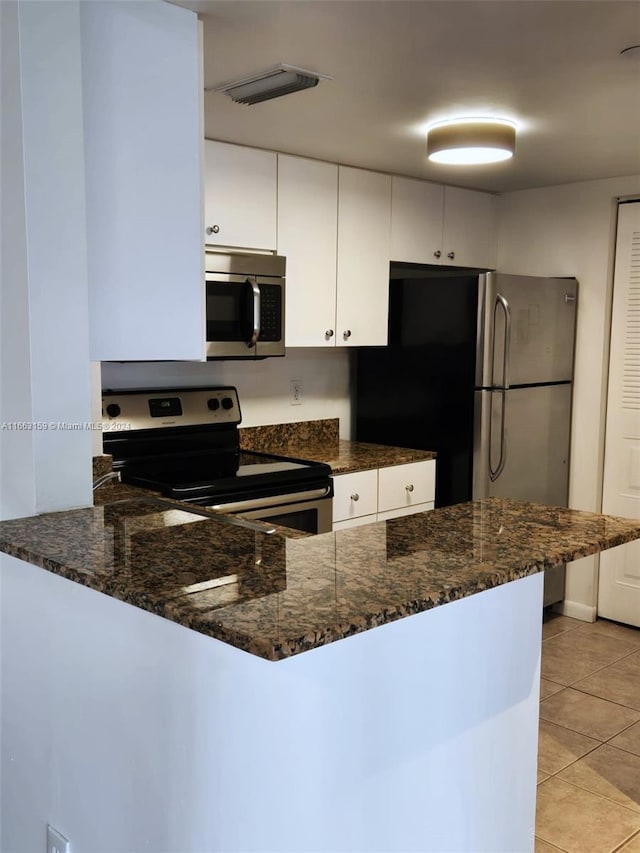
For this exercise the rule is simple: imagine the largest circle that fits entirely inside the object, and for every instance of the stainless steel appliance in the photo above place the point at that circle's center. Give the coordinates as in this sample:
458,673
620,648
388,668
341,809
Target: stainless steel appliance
184,444
245,303
479,368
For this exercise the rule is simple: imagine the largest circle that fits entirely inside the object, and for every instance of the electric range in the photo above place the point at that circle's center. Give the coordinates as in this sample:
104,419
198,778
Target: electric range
184,443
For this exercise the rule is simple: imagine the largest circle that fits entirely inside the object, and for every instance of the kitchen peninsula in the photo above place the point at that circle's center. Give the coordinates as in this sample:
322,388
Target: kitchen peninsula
372,732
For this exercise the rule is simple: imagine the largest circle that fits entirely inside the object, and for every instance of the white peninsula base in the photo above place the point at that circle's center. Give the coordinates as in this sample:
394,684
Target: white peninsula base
129,733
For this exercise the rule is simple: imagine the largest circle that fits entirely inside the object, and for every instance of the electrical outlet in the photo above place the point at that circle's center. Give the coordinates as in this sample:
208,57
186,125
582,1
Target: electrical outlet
296,392
56,842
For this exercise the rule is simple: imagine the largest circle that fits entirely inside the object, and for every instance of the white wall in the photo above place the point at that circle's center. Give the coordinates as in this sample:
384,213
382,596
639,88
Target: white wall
263,386
128,732
17,476
570,230
45,365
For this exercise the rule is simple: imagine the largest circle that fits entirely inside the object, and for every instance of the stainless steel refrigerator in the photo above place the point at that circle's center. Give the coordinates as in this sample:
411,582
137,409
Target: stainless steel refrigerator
479,368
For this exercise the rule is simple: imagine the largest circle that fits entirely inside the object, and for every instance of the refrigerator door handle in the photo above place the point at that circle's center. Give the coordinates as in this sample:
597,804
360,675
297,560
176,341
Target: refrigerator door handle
502,302
494,473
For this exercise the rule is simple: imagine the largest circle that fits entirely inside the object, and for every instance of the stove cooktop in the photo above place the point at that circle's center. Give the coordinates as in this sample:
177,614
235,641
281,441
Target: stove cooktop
184,443
199,479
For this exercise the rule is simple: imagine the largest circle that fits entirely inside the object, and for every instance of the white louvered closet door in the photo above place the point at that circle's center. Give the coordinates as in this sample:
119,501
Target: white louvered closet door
619,586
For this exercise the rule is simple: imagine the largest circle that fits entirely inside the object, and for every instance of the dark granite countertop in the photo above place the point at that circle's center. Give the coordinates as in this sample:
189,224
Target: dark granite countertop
318,441
201,570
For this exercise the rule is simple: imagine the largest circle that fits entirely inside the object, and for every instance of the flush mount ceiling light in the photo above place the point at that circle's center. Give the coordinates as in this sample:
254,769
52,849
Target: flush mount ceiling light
265,85
471,141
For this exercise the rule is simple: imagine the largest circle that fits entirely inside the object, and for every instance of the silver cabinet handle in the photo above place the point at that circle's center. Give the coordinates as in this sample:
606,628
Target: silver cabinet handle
451,255
255,334
346,334
213,229
437,254
355,497
328,334
409,488
569,297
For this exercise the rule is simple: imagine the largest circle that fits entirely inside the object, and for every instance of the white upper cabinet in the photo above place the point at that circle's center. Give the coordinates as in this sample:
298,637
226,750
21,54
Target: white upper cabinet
364,225
240,192
434,224
142,102
417,209
307,237
470,228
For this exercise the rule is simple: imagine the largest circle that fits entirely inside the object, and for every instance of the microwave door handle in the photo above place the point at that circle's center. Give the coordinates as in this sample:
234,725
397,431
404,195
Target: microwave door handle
255,332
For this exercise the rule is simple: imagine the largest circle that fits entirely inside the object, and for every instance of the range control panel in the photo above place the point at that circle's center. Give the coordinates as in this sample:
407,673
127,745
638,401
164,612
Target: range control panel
170,407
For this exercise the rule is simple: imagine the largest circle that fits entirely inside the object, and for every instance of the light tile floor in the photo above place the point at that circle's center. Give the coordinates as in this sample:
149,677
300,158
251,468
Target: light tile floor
589,745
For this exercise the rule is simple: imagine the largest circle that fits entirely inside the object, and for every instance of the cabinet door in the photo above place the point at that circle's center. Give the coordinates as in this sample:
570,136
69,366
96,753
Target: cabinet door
239,196
417,209
142,104
364,222
355,495
401,487
470,228
307,237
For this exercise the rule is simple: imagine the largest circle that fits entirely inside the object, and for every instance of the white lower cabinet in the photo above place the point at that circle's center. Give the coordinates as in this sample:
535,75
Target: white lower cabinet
355,499
405,489
381,494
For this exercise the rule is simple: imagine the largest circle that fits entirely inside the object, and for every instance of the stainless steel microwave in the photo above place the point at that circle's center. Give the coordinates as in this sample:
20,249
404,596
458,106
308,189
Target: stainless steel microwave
245,301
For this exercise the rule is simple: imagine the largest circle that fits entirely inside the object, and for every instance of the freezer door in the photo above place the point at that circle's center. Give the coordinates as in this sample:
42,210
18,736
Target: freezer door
527,330
529,458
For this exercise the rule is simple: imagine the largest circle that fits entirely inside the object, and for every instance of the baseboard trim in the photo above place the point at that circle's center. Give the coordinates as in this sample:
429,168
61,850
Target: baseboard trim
576,610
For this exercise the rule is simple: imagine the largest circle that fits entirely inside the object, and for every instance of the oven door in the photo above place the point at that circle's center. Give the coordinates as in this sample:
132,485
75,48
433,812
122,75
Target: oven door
310,511
244,316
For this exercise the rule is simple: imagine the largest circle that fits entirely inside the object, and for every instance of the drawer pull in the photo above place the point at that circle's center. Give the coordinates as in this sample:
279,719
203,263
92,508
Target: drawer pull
355,497
409,488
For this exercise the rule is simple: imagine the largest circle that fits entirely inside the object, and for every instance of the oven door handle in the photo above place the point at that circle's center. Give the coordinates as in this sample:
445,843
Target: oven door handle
273,500
258,527
255,333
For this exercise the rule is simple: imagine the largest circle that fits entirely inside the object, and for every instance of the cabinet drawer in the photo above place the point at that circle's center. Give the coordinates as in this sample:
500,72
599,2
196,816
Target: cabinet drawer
403,486
405,510
355,495
355,522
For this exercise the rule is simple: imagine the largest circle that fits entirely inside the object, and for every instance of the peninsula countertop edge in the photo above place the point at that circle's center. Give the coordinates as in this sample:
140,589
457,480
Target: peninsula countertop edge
276,596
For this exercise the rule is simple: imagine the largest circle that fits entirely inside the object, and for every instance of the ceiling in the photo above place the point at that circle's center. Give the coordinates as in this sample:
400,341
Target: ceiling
554,66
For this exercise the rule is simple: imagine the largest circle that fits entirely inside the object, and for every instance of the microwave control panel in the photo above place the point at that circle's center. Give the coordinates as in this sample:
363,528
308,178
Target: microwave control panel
270,312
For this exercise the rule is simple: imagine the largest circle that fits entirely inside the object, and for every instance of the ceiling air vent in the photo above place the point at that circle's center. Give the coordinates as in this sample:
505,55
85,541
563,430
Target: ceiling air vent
273,83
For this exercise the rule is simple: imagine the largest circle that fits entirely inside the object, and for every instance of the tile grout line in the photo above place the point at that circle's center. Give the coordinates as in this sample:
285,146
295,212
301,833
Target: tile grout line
622,731
619,847
555,846
599,743
626,841
586,693
595,672
596,794
592,696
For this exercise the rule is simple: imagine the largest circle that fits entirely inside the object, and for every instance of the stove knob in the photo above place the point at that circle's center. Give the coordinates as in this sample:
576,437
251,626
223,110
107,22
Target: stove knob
113,410
227,403
213,404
